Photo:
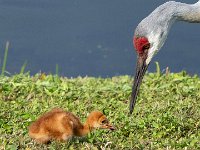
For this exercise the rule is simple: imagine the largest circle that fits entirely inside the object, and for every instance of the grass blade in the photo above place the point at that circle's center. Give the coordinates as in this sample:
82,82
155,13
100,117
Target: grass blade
23,67
57,69
5,59
158,69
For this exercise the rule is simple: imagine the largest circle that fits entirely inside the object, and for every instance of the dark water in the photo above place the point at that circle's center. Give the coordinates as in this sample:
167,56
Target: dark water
89,37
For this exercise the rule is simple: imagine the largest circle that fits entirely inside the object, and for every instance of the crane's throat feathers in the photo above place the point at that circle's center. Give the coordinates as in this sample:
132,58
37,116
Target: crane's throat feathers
140,44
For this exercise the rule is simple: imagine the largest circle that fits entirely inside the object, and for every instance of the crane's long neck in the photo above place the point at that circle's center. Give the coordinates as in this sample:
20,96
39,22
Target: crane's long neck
162,18
189,13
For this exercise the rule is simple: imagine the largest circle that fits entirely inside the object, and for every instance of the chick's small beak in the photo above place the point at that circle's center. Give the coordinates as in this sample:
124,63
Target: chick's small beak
108,126
140,71
111,127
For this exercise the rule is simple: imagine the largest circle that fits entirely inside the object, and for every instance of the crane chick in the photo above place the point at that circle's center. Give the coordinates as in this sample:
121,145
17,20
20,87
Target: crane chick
61,125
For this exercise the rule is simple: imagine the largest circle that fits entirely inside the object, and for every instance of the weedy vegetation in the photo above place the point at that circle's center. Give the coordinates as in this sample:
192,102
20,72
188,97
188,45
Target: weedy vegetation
166,116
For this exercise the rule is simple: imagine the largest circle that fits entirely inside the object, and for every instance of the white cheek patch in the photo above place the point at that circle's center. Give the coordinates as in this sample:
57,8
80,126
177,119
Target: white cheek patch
156,39
152,51
148,60
154,46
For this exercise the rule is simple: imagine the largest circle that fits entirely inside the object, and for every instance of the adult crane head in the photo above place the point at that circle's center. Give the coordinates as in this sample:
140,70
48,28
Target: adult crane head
151,33
148,39
146,47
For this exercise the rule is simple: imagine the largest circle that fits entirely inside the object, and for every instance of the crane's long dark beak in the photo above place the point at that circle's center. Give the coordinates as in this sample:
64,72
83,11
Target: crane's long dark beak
140,71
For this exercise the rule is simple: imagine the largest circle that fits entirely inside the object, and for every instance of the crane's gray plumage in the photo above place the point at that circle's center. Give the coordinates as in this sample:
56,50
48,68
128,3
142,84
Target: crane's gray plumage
152,31
166,14
156,26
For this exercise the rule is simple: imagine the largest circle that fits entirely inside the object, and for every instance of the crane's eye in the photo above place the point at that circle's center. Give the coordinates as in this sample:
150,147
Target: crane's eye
146,46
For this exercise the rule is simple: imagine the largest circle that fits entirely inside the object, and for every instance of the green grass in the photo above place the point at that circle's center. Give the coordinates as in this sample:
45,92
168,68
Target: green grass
166,116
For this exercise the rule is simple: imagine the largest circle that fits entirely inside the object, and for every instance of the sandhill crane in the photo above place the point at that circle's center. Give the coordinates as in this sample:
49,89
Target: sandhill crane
151,33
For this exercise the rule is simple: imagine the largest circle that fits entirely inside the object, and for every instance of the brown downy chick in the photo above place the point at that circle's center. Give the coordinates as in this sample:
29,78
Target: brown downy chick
61,125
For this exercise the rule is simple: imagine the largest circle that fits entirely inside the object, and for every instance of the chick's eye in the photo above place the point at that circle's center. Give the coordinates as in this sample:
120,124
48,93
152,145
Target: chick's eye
103,121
